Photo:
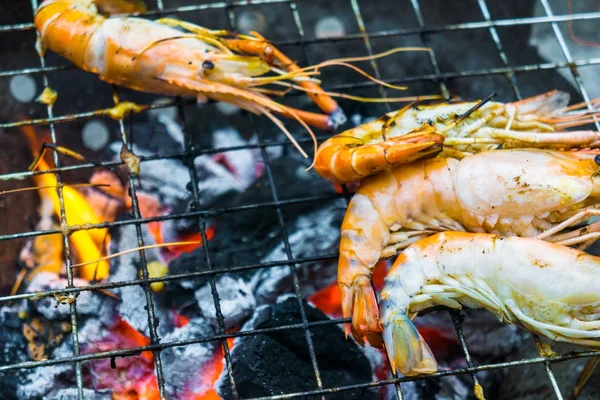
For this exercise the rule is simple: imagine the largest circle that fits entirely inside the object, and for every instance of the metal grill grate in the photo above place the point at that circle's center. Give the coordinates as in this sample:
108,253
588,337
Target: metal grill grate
230,8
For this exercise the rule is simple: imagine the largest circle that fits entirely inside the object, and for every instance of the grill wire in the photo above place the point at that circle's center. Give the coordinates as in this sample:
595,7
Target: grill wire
230,8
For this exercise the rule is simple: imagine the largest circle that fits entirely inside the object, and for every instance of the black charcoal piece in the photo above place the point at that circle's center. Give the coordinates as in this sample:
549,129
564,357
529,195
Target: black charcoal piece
279,362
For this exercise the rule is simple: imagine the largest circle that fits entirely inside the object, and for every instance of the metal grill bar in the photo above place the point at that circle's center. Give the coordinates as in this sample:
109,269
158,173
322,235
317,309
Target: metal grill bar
376,34
190,153
66,245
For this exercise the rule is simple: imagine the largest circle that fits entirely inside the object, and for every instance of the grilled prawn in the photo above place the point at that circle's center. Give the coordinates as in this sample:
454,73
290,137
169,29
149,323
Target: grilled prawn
542,287
463,128
155,57
519,192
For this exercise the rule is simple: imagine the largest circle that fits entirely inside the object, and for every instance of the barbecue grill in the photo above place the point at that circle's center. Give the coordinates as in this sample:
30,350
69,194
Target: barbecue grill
436,72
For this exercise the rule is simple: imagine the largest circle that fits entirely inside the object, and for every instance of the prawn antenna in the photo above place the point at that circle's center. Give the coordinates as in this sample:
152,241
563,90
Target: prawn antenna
470,111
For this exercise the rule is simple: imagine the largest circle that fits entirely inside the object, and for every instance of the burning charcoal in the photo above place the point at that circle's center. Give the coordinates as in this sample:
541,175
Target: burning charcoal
314,234
219,176
236,299
248,236
88,303
187,369
121,375
13,349
71,394
41,381
132,307
279,362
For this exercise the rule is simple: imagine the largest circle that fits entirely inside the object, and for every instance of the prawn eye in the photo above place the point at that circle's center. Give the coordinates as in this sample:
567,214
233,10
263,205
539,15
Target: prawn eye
597,159
208,65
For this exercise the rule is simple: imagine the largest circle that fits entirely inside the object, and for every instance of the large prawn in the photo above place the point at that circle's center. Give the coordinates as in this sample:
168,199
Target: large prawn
463,128
543,287
519,192
172,57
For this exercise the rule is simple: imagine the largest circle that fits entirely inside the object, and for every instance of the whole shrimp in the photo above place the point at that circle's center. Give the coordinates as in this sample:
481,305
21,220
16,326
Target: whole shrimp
463,128
159,57
518,192
542,287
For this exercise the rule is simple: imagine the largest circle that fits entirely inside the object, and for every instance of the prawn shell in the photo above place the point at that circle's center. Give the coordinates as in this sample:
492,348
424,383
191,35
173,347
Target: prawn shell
531,182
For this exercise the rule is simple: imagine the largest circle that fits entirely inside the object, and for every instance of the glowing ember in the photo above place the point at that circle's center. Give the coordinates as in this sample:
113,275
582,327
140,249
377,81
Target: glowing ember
129,377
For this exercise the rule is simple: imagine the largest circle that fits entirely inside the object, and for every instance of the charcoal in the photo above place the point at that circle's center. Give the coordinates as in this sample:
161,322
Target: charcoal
71,394
219,176
314,234
279,362
13,349
531,381
184,365
132,307
41,381
236,299
248,236
88,303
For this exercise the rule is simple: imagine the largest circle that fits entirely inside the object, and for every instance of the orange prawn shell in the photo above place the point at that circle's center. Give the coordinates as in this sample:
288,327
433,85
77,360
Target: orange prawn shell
69,29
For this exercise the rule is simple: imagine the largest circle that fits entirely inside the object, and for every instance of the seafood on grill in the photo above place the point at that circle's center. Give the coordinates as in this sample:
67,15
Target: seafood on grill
177,58
543,287
454,129
515,192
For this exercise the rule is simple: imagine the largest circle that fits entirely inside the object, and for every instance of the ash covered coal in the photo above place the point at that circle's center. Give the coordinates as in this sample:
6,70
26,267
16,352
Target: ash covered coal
71,394
279,362
40,382
13,349
255,236
185,367
88,303
132,305
219,175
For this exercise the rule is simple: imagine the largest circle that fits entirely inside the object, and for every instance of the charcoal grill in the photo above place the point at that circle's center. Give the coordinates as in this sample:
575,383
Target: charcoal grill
364,38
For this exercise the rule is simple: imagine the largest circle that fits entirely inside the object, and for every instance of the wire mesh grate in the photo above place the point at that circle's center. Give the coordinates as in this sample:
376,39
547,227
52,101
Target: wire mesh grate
438,77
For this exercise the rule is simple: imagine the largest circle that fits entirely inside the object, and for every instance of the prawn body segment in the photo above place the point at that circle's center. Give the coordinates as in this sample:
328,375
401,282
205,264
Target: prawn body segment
545,288
524,193
466,127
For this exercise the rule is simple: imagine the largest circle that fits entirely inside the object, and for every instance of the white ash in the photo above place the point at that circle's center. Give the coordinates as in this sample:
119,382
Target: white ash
88,303
235,298
42,380
132,307
71,394
313,234
165,178
93,331
173,128
183,365
169,178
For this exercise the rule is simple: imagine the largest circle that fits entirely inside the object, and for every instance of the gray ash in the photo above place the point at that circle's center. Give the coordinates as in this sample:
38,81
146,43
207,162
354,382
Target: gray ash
184,366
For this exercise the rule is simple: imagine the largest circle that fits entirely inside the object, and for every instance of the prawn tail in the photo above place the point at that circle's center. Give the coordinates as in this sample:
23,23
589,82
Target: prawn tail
407,351
544,105
552,108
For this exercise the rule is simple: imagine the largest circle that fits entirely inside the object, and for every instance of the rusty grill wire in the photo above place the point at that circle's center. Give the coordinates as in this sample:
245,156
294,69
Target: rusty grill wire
230,8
